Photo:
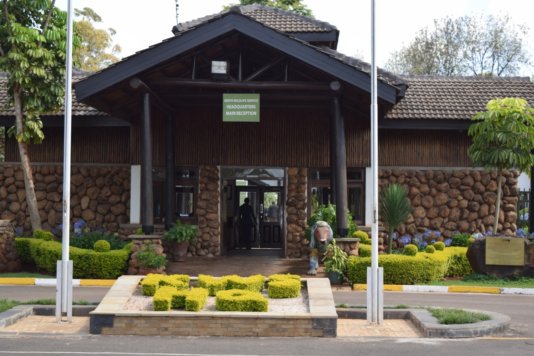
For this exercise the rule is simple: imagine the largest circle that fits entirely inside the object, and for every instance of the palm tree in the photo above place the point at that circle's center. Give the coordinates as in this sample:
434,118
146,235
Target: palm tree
394,208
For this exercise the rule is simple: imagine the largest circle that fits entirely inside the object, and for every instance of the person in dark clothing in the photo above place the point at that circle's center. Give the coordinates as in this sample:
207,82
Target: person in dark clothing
247,222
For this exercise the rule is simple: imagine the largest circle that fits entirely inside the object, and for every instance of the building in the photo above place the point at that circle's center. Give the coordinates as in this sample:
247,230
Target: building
256,102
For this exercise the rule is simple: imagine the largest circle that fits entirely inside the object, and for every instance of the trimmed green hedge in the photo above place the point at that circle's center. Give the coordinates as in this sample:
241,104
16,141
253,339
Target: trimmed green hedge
86,263
421,268
241,300
288,288
283,277
215,284
196,299
153,281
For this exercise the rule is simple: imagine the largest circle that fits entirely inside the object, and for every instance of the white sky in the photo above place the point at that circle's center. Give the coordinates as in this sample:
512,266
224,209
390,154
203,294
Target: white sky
141,23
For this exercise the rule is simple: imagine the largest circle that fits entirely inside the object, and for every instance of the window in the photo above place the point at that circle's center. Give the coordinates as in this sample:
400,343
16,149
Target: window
186,188
320,192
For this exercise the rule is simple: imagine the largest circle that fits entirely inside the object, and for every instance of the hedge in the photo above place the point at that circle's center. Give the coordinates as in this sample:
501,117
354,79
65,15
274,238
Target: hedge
196,299
214,284
86,263
283,277
421,268
241,300
153,281
288,288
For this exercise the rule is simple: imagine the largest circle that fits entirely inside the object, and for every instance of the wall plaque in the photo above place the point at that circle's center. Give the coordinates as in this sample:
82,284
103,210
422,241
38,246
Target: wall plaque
505,251
241,107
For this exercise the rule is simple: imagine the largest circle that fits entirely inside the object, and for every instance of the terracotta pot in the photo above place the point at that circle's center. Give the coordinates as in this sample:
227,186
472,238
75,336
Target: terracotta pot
179,251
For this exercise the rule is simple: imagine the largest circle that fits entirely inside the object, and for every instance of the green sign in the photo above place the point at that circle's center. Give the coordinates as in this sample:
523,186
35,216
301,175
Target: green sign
241,107
505,251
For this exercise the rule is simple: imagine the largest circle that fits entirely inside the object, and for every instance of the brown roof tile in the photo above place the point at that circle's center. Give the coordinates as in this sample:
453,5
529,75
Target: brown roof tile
78,108
280,20
456,98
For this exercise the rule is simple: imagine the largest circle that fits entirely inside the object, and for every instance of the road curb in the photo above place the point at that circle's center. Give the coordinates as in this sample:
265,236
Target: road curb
51,282
429,326
448,289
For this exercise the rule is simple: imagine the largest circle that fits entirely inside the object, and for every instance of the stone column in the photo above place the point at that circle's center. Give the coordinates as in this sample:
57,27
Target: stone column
208,213
9,261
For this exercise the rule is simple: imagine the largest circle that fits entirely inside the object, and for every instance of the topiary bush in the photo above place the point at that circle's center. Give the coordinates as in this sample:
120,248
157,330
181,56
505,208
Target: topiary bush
241,300
196,299
364,250
363,236
439,246
399,269
289,288
87,240
410,250
43,235
86,263
212,284
458,264
102,246
430,249
283,277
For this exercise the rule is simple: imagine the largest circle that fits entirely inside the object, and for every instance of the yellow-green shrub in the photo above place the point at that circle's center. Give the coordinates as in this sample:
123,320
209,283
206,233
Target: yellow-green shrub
252,283
288,288
212,284
43,235
86,263
241,300
364,250
178,299
101,246
163,298
150,284
430,249
363,236
175,280
439,246
399,269
283,277
410,250
196,299
457,265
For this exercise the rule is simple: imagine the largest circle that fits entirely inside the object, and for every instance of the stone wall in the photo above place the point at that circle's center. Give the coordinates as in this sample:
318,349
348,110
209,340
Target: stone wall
9,261
209,221
99,195
455,200
140,243
296,212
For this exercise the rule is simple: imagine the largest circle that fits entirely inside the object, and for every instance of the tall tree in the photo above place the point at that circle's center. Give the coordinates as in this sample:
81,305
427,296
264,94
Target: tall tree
96,50
483,45
289,5
503,138
32,53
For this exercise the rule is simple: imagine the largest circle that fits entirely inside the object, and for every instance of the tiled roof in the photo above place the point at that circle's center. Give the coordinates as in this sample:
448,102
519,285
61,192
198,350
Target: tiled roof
280,20
456,98
78,108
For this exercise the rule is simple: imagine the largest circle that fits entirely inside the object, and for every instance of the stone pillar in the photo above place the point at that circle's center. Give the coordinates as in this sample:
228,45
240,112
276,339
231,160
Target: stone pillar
9,261
208,213
140,243
296,208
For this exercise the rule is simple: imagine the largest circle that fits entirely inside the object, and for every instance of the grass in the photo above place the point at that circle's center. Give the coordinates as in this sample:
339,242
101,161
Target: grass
24,275
480,280
457,316
6,304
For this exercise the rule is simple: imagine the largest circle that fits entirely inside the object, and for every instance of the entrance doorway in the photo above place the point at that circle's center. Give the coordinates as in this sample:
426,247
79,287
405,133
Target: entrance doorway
264,189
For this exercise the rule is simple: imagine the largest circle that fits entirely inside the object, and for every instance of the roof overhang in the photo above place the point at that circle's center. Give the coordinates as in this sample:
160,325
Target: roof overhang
188,40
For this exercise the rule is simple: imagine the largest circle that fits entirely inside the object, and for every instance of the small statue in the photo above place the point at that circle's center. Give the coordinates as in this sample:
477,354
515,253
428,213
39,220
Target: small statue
320,236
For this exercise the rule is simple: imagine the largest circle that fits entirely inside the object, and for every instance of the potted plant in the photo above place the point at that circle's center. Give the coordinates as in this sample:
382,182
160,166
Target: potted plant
179,235
335,263
150,261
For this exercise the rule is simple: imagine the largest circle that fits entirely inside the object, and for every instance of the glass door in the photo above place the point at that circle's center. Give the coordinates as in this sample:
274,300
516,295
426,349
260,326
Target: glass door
271,218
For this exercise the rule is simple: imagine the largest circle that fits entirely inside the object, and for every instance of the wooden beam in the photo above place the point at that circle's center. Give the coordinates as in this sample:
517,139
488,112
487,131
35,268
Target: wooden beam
302,86
264,69
147,196
340,169
170,191
138,84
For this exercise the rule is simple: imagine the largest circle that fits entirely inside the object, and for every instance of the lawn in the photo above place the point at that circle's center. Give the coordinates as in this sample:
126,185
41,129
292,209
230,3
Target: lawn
25,275
488,281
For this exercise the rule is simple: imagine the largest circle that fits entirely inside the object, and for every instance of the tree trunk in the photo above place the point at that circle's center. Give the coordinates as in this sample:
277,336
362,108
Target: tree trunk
31,199
498,202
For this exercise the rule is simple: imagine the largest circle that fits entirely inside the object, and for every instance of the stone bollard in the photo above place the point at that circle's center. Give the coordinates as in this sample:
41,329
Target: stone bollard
9,259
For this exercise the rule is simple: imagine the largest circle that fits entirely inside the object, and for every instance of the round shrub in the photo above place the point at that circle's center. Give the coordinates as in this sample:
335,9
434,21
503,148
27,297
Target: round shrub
430,249
363,236
410,250
439,246
101,246
364,251
43,235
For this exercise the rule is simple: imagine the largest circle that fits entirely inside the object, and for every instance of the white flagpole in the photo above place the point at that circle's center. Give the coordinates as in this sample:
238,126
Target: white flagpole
66,274
374,285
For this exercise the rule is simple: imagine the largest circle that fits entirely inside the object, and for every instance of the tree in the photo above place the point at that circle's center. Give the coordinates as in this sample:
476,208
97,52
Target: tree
394,208
289,5
503,138
484,45
32,53
92,53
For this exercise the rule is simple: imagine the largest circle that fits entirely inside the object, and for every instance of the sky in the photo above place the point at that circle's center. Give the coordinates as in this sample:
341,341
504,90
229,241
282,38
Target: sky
141,23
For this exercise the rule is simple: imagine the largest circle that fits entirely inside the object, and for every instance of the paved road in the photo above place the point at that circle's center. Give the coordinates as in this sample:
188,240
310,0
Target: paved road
520,341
